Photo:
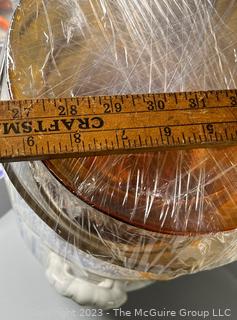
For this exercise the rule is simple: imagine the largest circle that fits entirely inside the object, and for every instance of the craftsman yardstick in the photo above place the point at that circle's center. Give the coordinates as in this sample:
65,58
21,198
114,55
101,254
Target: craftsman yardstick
84,126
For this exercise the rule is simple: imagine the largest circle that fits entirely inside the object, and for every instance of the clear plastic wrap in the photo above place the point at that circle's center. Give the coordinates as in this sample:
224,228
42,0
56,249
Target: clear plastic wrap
158,215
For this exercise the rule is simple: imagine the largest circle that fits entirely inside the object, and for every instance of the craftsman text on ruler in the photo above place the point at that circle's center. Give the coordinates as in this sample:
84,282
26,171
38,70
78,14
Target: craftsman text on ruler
82,126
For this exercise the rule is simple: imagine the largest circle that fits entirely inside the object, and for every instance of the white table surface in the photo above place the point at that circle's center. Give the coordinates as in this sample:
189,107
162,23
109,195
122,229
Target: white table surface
26,295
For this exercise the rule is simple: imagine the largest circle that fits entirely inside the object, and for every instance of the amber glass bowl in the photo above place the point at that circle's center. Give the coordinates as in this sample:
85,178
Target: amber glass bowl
62,48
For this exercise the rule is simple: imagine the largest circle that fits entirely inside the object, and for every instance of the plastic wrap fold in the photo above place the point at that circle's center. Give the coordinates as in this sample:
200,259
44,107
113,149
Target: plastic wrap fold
158,215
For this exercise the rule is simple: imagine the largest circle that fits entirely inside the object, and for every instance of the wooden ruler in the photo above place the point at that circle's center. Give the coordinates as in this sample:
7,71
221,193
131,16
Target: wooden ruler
84,126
